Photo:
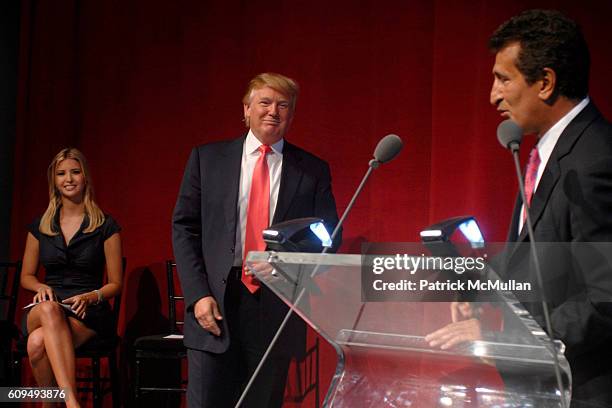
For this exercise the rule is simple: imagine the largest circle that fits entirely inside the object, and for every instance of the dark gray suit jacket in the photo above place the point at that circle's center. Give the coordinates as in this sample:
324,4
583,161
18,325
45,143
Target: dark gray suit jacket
573,204
204,227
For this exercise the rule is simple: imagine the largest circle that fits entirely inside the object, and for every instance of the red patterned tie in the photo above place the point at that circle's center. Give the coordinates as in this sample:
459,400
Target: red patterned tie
258,214
531,175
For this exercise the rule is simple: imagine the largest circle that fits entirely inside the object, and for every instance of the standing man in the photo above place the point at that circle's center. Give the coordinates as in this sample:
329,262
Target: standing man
231,191
541,77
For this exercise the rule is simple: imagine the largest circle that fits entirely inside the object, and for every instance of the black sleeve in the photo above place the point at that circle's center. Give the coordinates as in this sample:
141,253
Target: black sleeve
584,321
33,228
110,227
325,205
187,234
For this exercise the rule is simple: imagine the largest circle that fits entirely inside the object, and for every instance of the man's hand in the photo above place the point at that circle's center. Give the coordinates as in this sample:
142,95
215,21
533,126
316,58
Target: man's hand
455,333
263,269
207,313
465,326
464,311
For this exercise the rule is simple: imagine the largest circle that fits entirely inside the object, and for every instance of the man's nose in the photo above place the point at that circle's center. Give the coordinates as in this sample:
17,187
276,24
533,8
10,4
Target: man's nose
495,96
273,109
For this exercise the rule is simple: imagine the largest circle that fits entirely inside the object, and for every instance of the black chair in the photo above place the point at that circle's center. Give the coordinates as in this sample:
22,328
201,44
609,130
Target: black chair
167,346
10,273
95,349
307,376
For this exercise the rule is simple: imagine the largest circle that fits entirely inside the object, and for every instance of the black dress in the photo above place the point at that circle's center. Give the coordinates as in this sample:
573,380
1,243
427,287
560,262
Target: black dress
78,268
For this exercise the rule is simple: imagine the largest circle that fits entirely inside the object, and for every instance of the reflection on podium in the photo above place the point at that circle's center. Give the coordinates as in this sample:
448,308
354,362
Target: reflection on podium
383,358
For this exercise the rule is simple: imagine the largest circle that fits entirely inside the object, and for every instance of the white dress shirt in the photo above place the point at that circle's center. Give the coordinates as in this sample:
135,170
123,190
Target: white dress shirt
250,155
547,143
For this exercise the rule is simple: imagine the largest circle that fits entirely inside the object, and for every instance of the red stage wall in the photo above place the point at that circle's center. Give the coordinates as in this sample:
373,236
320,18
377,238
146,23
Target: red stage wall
136,84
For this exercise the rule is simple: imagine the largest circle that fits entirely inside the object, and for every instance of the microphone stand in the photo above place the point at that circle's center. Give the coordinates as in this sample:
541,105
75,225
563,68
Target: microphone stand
373,164
514,147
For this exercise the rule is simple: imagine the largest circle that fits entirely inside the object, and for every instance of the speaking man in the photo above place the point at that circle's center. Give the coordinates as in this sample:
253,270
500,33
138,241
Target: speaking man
541,78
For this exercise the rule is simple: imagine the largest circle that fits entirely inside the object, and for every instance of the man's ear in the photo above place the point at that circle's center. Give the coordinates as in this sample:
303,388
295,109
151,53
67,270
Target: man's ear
548,84
246,114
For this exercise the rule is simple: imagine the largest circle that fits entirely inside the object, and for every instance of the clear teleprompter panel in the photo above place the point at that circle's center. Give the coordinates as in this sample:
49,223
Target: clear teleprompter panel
383,359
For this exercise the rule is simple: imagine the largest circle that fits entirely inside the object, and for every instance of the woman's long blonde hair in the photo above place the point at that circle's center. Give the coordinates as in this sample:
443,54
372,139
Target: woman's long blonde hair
96,216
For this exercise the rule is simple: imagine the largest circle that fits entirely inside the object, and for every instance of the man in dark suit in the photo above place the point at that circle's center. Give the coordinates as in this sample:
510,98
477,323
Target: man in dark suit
231,318
541,76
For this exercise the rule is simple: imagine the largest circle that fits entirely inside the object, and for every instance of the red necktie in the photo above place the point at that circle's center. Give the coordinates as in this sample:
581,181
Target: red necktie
531,175
258,214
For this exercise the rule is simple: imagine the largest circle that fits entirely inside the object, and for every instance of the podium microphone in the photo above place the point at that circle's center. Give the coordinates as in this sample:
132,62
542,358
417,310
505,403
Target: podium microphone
510,135
386,150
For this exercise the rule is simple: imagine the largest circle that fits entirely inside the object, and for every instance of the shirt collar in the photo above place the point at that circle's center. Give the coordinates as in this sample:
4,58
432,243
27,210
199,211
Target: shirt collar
251,144
59,238
549,140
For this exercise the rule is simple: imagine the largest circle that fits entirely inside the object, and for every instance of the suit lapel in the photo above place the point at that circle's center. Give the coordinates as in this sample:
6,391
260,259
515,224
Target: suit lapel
291,177
516,213
231,163
549,179
540,198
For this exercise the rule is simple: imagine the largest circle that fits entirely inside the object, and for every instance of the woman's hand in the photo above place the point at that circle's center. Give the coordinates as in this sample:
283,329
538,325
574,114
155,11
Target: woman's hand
79,304
44,293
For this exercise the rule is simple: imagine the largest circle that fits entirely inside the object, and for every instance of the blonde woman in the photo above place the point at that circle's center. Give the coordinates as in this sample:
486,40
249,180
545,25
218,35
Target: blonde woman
74,240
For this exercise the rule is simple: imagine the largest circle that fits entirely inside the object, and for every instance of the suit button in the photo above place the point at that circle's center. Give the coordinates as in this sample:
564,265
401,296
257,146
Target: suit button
224,281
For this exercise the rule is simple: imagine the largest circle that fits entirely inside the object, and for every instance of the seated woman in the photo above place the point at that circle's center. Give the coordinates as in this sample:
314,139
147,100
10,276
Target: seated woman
73,240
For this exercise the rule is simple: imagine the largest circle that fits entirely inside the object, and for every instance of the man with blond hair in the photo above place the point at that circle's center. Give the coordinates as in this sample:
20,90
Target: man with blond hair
230,192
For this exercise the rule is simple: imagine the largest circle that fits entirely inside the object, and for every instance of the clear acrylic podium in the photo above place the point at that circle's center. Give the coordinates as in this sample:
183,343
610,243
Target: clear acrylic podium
383,359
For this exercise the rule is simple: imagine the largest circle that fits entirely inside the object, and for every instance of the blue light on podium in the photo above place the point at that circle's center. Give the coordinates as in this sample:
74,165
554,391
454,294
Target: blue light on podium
439,234
297,235
472,233
321,232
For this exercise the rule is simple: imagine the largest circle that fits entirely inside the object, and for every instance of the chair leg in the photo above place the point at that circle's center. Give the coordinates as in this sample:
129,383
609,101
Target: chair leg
115,385
137,381
16,369
299,397
97,391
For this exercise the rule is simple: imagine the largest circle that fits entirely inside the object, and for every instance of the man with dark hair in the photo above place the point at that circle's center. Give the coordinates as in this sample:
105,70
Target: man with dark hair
231,191
541,76
548,39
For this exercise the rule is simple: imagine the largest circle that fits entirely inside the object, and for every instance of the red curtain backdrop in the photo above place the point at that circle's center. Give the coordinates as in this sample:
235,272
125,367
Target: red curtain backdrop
136,84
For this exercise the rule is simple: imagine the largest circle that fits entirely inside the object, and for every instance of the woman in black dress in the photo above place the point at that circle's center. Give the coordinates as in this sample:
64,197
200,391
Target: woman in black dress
74,240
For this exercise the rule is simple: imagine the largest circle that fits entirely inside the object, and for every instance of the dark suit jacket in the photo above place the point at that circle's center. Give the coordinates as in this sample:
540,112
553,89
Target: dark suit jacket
205,221
573,204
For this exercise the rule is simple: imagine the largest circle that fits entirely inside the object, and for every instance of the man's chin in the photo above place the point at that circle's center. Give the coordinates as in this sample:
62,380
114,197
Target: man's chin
269,136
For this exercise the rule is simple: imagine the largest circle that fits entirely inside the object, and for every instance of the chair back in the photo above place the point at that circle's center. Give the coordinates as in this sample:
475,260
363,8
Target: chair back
9,289
173,298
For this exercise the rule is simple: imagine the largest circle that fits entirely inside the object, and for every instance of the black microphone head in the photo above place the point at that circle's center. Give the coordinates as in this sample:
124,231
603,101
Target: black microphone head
388,147
509,134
